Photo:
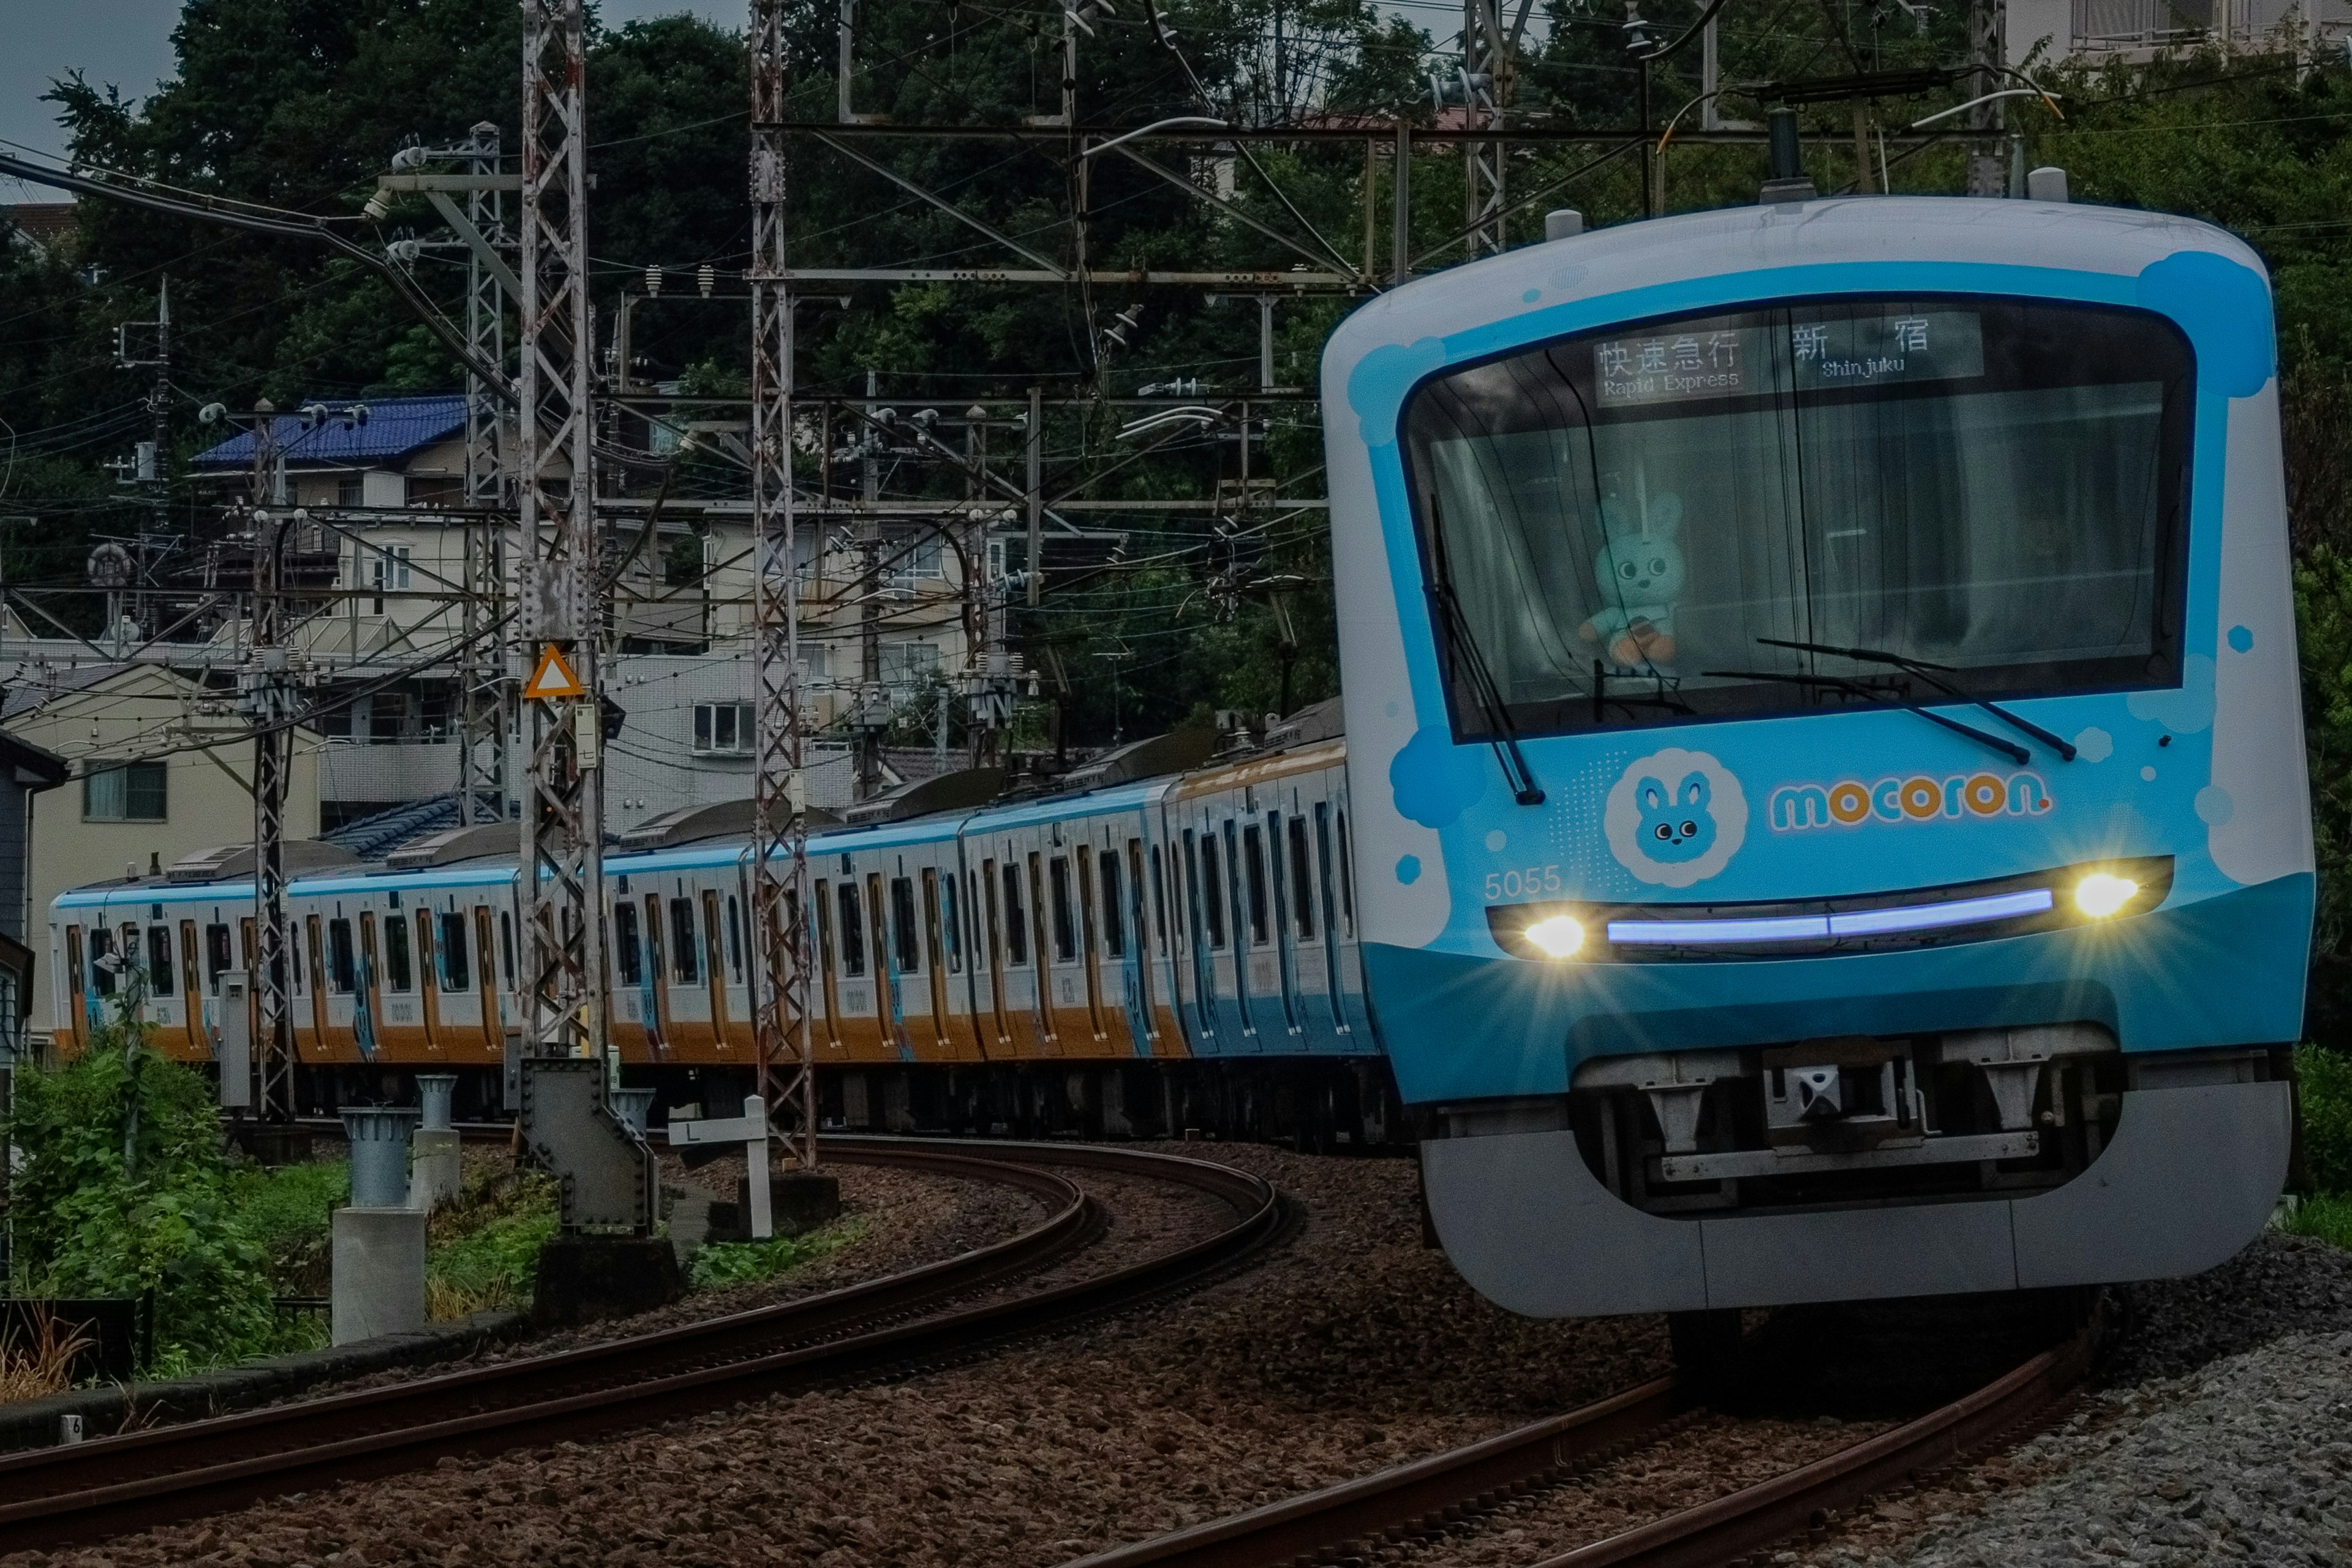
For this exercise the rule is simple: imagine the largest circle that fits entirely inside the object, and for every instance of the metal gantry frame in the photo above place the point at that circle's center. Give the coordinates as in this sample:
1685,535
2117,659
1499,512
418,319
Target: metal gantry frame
482,719
562,857
1485,86
270,706
779,847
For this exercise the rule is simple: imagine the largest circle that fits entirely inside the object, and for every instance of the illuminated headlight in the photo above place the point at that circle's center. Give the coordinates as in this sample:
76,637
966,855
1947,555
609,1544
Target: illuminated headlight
1557,936
2101,894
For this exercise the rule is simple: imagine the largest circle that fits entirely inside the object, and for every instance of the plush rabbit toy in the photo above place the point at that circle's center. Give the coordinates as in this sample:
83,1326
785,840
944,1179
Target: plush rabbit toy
1640,571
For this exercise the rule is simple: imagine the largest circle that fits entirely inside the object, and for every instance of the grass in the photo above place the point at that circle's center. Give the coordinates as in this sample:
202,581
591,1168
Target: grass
482,1251
43,1363
2327,1216
289,1211
745,1262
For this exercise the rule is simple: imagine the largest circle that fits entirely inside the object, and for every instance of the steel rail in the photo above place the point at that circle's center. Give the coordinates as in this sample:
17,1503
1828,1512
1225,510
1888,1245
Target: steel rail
1425,1494
1538,1454
117,1484
1753,1518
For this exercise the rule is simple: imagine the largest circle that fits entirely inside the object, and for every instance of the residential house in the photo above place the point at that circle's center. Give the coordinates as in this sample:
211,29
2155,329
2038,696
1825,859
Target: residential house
160,769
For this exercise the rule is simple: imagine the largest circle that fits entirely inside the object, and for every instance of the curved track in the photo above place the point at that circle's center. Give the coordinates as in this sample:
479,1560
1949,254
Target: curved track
112,1485
1428,1495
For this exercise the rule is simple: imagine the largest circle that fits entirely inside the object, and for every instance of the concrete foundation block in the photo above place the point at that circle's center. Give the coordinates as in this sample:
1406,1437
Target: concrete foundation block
584,1278
379,1273
433,1177
804,1200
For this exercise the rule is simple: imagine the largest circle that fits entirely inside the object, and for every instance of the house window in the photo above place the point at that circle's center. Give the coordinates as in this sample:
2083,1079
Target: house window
909,663
388,569
723,728
132,791
351,490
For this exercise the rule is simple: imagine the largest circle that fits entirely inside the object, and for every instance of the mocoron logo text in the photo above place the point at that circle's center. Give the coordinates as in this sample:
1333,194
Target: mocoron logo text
1850,803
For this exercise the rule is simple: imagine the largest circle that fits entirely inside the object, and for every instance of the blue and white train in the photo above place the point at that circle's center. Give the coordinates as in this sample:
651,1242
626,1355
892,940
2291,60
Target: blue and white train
1824,733
1822,813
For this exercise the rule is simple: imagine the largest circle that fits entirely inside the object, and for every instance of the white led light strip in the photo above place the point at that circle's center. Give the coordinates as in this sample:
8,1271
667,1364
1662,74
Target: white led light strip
1821,928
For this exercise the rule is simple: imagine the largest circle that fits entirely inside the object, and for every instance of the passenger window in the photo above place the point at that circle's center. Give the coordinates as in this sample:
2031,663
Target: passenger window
341,972
1114,927
1016,920
1158,900
506,946
396,967
903,935
1253,879
158,961
217,959
1346,879
1065,936
101,945
624,938
853,933
823,927
1212,891
951,930
456,974
682,948
1302,888
735,936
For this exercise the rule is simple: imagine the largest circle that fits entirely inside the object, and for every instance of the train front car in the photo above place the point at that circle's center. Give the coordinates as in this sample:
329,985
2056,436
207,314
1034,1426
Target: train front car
1821,699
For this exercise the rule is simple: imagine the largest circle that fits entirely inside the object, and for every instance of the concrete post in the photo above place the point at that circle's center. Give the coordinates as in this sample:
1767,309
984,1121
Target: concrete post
378,1258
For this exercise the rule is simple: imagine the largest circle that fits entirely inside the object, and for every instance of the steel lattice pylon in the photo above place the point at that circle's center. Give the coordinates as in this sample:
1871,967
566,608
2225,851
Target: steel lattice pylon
561,866
269,706
779,848
481,655
1486,77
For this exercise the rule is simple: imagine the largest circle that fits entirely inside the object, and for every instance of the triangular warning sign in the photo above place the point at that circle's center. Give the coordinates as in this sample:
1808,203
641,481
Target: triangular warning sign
553,678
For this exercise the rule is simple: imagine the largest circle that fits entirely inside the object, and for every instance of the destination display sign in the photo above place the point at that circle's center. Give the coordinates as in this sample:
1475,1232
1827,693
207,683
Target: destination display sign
1711,359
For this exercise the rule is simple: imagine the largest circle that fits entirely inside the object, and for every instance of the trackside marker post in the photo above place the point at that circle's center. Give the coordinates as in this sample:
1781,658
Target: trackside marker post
751,1129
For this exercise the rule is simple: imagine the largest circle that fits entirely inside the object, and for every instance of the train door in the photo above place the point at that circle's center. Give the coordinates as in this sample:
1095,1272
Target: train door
654,993
365,987
1284,937
322,1043
192,996
960,1012
1090,938
248,946
419,923
1055,942
634,1012
935,961
1162,964
218,960
714,962
890,925
487,970
995,937
79,1010
864,1001
828,1030
731,982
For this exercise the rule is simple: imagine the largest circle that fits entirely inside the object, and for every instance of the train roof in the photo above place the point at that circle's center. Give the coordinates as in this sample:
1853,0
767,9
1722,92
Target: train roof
1303,737
1770,242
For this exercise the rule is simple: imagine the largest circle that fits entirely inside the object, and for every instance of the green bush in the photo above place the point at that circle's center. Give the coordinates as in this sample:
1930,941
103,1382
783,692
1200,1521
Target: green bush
2325,1088
124,1191
289,1210
742,1262
486,1249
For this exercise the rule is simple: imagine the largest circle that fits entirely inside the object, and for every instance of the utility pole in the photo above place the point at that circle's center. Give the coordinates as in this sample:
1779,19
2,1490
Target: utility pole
779,872
482,720
1987,22
562,857
269,702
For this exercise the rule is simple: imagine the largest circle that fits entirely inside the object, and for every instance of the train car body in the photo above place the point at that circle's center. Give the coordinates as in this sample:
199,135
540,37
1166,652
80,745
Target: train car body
1036,963
1741,972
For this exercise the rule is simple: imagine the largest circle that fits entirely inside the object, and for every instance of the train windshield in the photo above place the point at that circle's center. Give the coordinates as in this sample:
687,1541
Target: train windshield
1614,523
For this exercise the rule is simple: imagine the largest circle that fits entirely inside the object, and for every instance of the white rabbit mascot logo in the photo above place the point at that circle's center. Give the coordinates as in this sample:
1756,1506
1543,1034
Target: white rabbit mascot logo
1675,817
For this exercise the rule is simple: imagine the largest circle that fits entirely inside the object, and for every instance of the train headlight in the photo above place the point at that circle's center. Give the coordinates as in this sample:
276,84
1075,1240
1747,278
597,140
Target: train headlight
1557,936
2101,893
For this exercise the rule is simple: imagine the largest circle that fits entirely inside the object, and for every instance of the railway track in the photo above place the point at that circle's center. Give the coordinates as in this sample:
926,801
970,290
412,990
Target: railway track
113,1485
1426,1497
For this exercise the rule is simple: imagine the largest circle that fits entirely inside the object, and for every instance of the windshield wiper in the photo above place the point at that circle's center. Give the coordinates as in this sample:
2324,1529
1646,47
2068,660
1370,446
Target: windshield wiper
1463,648
1933,674
2010,749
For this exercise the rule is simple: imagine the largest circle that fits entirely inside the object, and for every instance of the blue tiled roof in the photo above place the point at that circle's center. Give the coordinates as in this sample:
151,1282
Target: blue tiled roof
395,428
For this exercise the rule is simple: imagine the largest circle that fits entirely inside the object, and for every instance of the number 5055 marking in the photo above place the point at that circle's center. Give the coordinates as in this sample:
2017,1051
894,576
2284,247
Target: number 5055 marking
1518,884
